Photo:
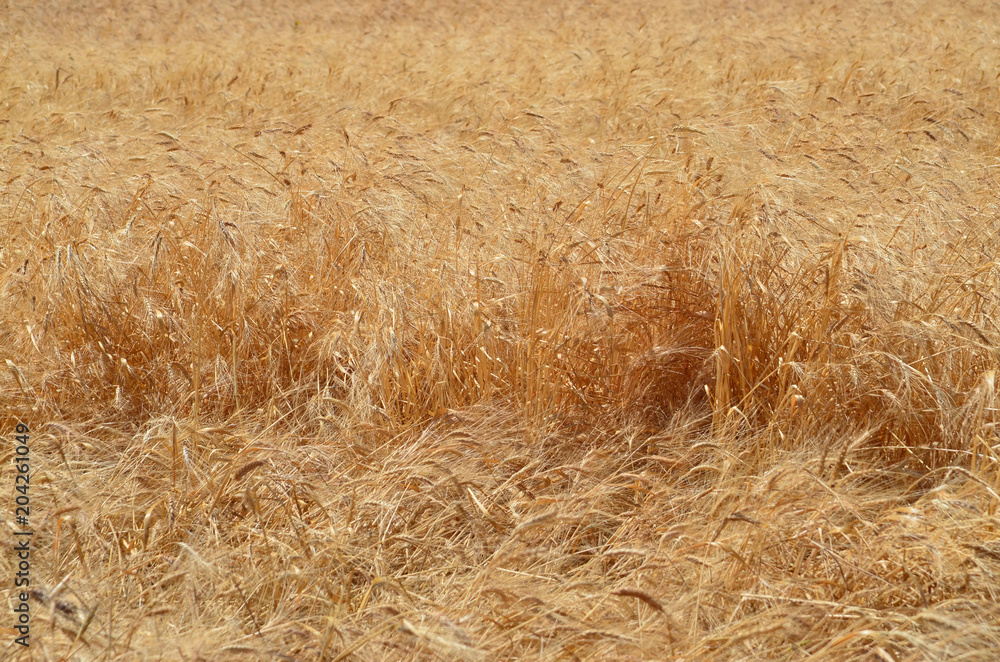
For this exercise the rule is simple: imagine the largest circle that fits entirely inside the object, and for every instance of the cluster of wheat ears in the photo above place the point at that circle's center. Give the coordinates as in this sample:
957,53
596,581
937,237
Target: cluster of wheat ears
444,330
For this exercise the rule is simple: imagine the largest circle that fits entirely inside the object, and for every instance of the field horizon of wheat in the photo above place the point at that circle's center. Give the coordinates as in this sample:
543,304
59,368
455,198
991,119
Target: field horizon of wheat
548,331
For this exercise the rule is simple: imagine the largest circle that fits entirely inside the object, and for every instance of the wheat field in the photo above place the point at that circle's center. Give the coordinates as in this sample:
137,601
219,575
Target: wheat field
471,331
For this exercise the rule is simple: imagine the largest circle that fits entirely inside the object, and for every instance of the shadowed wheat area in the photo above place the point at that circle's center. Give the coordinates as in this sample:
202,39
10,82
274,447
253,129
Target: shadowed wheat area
474,331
